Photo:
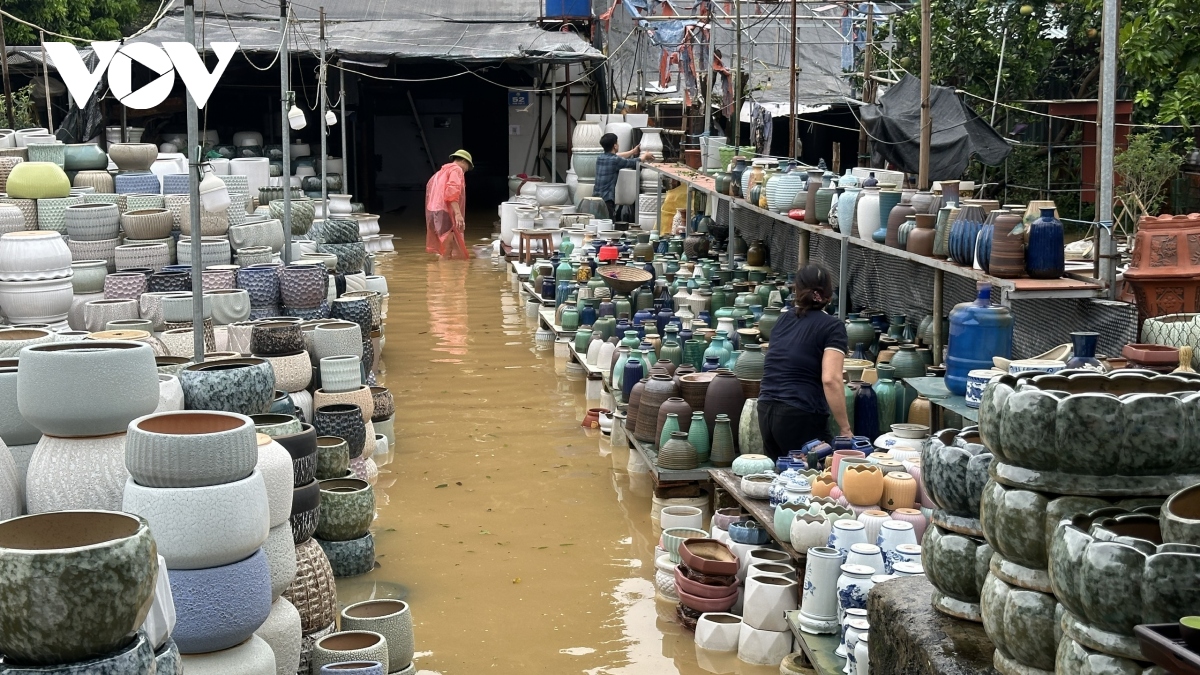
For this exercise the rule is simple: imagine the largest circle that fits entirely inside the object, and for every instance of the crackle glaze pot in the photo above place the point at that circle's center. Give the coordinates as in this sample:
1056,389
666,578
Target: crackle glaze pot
74,585
954,469
1080,432
390,618
957,565
347,509
245,386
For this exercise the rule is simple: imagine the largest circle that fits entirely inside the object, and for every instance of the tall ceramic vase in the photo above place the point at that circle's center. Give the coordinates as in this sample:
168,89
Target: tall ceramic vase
810,198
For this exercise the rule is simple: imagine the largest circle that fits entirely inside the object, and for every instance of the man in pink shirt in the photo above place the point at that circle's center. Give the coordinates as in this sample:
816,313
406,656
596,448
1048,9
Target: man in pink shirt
445,199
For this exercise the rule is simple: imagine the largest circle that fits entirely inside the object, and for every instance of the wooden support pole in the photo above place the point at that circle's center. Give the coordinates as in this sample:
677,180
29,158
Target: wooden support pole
926,124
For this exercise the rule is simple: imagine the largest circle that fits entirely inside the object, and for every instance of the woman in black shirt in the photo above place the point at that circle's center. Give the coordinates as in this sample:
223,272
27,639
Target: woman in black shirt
802,379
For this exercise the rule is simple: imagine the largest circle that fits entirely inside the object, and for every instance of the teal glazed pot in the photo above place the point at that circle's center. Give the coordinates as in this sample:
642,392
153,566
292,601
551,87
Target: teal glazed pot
349,558
957,565
347,509
85,157
954,470
1110,572
74,585
1080,432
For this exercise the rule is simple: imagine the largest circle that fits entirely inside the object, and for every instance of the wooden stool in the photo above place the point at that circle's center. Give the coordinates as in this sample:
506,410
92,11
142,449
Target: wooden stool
528,239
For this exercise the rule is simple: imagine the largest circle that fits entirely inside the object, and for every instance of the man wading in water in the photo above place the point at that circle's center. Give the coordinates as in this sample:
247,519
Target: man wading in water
445,203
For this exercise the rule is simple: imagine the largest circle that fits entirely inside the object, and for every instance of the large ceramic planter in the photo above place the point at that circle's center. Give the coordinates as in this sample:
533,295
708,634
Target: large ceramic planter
350,558
337,338
313,591
306,511
147,223
253,656
190,449
1110,575
302,447
293,371
340,374
220,607
354,645
347,509
32,255
201,527
956,564
953,472
37,180
76,473
281,558
303,286
133,156
1120,434
92,222
1024,626
766,599
136,658
275,465
333,457
80,377
343,421
282,632
1180,517
229,305
390,618
272,338
244,386
76,584
46,301
98,313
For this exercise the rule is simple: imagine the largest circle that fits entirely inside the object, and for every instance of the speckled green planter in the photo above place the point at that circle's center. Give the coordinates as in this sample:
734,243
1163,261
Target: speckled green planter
956,565
136,658
347,509
954,469
1024,626
74,585
1082,433
1076,659
273,424
350,558
333,457
390,618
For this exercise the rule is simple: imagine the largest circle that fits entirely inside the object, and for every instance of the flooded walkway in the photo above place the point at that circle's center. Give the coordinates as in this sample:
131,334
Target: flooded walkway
522,544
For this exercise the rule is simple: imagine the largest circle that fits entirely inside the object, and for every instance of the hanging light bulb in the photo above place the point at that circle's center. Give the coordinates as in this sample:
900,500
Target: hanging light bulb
296,118
330,118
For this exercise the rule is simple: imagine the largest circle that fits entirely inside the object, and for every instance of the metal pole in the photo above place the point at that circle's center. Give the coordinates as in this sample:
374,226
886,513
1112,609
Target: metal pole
712,75
737,88
345,150
868,90
843,289
1108,106
926,123
324,129
553,124
286,135
193,141
939,277
12,120
658,202
46,77
792,89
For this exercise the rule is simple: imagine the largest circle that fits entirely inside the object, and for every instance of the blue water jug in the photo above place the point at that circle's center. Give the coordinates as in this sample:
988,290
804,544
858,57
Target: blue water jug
978,332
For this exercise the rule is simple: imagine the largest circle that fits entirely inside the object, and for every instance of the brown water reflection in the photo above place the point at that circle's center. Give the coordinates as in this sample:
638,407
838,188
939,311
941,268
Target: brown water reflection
523,544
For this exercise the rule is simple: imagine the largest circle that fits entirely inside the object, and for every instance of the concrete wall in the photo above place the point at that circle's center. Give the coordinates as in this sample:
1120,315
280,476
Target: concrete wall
522,152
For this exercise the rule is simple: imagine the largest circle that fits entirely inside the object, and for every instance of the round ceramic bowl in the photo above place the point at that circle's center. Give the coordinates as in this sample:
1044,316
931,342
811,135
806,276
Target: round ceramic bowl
220,607
347,509
306,501
201,527
681,516
758,486
913,431
302,446
184,449
273,424
1180,517
354,645
245,386
81,377
390,618
81,581
748,532
350,558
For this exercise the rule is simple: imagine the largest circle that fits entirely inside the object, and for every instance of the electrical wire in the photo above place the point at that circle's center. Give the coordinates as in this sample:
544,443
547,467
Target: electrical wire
278,50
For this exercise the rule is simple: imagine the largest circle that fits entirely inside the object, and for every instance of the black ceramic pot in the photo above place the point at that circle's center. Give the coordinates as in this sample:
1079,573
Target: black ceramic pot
345,421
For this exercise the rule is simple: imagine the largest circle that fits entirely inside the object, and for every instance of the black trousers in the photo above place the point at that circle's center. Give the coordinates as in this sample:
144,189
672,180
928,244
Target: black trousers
785,428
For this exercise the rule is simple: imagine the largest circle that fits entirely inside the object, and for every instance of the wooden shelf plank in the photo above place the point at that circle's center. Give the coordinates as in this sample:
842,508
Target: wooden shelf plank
665,475
759,508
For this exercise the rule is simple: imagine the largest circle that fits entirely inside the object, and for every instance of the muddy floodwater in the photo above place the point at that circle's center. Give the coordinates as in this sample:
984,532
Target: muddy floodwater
523,544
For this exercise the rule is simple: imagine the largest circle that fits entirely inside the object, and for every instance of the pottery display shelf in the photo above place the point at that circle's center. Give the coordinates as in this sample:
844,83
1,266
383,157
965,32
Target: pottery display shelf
546,316
934,389
1065,287
818,649
520,269
593,372
664,476
528,289
760,509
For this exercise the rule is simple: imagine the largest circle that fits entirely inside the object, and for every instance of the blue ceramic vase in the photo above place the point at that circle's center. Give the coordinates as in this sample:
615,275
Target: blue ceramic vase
1044,257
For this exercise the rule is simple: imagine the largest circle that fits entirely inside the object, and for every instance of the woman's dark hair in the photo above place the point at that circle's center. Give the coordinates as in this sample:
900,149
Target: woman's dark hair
814,288
608,142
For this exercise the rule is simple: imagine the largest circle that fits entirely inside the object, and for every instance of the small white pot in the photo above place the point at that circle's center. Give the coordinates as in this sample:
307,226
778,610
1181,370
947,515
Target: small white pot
681,516
766,599
763,647
718,631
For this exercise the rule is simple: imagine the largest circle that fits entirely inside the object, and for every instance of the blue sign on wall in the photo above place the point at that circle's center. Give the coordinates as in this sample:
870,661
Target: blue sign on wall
518,98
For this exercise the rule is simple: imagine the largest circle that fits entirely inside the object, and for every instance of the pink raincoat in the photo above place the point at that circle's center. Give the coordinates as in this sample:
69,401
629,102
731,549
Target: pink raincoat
445,188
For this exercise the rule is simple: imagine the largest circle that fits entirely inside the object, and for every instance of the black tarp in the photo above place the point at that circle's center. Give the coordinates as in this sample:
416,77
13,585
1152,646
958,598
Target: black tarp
894,125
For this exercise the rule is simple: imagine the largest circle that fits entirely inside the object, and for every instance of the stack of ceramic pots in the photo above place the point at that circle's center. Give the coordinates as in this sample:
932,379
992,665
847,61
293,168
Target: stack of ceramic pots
280,343
35,278
148,240
102,603
771,590
303,289
218,503
343,528
339,236
389,619
585,150
261,281
1066,445
79,463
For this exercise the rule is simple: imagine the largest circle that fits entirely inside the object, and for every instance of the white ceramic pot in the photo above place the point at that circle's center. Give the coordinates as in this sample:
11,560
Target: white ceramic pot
763,647
583,162
341,374
275,465
170,394
160,620
586,134
32,255
257,171
293,372
624,132
867,555
652,141
202,527
862,659
681,516
766,599
281,558
282,632
553,194
867,212
46,301
98,313
718,631
337,338
872,519
852,588
244,138
339,205
252,657
76,473
845,533
808,531
818,600
92,222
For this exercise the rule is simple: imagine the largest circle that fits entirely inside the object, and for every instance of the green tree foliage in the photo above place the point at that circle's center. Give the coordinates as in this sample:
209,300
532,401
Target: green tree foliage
1145,167
86,19
1160,53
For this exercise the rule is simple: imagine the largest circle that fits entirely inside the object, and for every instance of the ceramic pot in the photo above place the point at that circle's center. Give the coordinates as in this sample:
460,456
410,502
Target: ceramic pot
347,509
220,607
80,376
899,491
305,511
344,421
360,397
341,374
98,313
718,631
133,156
136,658
93,573
818,604
276,337
33,255
229,305
385,405
275,465
337,338
282,633
244,386
293,371
1179,519
763,647
954,471
1044,256
809,531
302,447
333,457
37,180
956,565
146,224
391,619
862,484
354,668
276,424
92,222
351,557
766,599
724,396
313,592
355,645
303,286
1023,624
190,449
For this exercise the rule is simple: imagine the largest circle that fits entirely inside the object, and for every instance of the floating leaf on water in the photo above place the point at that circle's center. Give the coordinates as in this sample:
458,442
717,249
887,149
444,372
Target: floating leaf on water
439,485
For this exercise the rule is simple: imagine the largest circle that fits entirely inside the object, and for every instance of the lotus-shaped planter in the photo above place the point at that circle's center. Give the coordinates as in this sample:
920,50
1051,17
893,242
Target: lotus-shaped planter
1023,624
1084,433
956,565
1111,572
1180,517
954,469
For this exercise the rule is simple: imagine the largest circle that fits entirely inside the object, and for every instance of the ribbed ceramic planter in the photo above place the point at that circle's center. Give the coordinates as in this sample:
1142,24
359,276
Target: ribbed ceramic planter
347,509
350,558
340,374
302,447
92,222
344,421
190,449
281,559
98,313
73,585
282,632
244,386
356,645
147,223
253,656
220,607
313,591
337,338
80,377
33,255
201,527
100,181
390,618
306,501
333,457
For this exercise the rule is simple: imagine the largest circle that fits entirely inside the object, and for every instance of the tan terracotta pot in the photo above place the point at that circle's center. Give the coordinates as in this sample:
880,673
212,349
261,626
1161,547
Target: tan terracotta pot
862,484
